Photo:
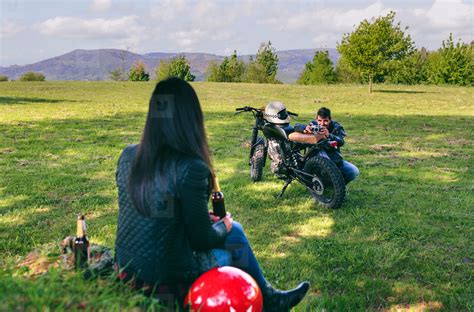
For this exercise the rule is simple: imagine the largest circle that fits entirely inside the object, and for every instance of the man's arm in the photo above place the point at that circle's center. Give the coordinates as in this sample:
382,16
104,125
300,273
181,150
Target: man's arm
299,128
337,134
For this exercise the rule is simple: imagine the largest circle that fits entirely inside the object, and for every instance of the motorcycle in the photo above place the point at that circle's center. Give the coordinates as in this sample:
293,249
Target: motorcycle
292,160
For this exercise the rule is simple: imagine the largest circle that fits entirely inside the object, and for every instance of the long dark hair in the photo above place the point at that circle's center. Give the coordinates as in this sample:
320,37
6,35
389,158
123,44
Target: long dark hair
174,126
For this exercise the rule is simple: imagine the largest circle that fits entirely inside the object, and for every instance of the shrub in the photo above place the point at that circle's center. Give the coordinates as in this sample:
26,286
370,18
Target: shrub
453,63
118,74
32,76
176,67
3,78
138,72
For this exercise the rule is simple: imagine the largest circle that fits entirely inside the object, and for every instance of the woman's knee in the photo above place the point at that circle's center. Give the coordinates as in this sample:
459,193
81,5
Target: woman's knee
236,226
237,234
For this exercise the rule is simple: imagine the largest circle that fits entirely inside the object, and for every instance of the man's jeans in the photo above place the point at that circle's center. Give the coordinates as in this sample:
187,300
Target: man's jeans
348,170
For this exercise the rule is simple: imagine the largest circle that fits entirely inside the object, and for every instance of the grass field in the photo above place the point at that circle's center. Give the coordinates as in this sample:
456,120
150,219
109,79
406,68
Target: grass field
402,240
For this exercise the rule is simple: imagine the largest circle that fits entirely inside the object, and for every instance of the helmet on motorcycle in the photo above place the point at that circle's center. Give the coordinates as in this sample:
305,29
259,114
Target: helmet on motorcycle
224,289
275,112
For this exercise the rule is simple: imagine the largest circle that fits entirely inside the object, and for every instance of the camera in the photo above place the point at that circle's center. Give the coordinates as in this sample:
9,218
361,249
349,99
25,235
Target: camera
316,128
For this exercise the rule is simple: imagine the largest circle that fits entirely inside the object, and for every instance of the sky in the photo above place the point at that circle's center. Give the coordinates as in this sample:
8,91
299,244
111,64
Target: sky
34,30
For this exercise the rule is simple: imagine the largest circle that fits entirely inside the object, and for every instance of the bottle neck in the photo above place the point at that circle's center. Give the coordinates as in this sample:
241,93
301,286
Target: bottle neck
215,184
81,227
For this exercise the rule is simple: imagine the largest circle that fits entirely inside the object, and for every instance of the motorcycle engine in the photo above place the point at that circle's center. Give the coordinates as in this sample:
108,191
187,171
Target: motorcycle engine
274,151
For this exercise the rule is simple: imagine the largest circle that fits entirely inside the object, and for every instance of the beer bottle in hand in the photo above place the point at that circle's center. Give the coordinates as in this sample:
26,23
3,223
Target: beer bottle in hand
81,244
217,198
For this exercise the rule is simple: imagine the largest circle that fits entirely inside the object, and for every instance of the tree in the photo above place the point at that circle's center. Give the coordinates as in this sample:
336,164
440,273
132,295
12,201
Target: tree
267,57
229,70
3,78
176,67
32,76
235,68
138,72
346,74
410,70
452,63
373,45
213,72
256,73
320,71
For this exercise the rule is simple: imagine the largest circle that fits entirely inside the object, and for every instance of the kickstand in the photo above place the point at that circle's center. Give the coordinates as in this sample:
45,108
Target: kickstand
284,188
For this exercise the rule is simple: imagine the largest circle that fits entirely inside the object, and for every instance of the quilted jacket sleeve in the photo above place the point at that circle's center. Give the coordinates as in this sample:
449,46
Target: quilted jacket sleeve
194,198
337,134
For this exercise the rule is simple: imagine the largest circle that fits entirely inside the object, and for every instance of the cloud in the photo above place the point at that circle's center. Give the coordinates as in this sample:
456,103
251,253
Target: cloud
9,29
124,31
450,14
101,5
189,24
320,19
185,39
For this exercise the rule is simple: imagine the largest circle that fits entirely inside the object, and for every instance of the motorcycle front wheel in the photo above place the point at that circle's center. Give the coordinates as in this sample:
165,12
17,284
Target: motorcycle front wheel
257,161
325,183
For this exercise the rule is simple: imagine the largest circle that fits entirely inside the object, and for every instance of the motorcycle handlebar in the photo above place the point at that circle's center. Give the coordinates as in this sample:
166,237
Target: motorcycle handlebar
246,109
292,114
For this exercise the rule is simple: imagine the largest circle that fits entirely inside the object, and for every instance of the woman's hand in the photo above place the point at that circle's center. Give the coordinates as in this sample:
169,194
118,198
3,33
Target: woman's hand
228,222
213,217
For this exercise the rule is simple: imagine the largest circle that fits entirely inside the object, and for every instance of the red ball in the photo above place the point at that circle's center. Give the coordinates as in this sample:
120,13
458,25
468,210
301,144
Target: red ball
224,289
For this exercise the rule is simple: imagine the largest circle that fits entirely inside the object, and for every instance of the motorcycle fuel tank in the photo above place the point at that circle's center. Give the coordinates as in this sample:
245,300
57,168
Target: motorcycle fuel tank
272,131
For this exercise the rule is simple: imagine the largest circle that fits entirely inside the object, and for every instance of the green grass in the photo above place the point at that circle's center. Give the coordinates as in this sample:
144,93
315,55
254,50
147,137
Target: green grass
402,240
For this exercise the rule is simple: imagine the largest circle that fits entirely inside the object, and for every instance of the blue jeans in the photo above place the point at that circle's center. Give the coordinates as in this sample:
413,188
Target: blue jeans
348,170
238,253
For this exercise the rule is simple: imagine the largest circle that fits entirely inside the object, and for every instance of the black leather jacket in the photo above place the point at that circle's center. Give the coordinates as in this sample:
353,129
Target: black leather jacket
163,248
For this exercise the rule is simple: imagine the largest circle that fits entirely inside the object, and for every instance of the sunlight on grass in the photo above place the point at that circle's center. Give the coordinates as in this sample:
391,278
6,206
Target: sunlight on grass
15,218
436,175
264,187
12,220
416,307
102,175
11,200
317,227
422,154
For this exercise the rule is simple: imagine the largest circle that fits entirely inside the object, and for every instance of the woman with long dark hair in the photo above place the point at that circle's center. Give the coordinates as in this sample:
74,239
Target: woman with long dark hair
165,235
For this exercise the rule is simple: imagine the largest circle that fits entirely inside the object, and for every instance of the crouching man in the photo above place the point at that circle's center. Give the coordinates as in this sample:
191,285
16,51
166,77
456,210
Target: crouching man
331,130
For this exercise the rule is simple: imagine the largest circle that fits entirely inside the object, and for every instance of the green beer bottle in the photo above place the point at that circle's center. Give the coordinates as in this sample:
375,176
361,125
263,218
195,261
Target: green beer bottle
81,244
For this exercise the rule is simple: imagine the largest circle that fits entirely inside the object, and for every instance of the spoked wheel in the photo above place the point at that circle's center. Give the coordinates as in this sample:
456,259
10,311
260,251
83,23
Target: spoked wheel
257,161
325,183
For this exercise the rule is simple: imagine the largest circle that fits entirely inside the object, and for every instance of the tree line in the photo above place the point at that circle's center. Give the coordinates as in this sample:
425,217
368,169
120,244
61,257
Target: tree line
261,69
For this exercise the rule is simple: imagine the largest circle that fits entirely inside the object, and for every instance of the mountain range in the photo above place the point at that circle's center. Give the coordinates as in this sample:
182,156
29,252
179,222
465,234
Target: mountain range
97,64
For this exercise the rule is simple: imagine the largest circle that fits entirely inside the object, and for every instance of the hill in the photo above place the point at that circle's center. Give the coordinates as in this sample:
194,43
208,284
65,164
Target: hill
97,64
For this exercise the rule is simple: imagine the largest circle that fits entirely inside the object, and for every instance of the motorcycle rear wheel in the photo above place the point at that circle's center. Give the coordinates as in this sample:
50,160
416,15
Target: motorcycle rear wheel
327,185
